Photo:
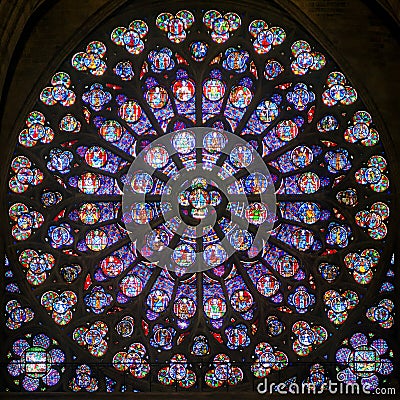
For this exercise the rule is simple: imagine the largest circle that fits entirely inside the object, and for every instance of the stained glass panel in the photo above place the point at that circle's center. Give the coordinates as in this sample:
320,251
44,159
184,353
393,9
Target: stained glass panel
197,201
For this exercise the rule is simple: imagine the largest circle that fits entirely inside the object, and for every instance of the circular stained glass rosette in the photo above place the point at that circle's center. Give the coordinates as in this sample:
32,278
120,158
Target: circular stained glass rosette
198,215
211,137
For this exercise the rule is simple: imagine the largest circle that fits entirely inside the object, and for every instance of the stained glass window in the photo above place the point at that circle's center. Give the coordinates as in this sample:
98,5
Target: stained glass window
199,199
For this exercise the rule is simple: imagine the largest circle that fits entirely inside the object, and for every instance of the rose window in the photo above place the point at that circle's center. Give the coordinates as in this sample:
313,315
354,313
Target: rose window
198,199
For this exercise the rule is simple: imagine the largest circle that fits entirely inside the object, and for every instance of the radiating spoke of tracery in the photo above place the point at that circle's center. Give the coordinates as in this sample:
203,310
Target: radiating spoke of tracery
84,288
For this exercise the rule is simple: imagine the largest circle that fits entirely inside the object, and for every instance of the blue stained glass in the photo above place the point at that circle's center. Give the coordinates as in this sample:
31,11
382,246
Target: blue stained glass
199,50
101,286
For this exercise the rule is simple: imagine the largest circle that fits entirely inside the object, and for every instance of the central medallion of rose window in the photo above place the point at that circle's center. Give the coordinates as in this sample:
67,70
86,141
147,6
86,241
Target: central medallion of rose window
193,198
